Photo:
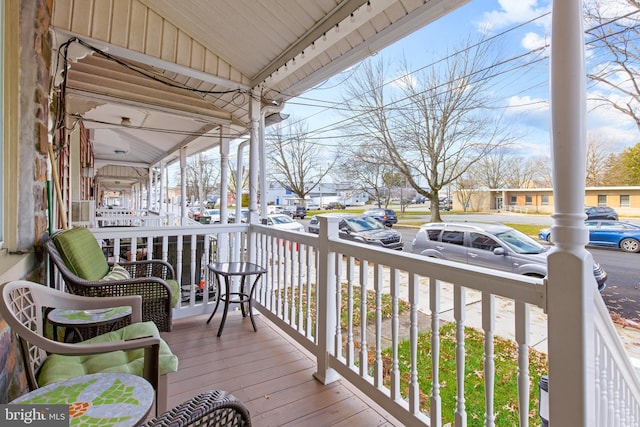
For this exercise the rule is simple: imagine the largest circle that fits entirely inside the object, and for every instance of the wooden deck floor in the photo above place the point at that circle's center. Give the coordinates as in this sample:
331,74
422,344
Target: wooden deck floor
268,371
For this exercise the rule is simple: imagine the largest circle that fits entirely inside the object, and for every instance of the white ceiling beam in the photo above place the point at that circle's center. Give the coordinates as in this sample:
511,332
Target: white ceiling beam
331,19
142,58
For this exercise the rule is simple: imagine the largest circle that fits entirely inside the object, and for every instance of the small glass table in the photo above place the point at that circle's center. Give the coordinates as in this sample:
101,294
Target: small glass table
88,323
97,399
227,270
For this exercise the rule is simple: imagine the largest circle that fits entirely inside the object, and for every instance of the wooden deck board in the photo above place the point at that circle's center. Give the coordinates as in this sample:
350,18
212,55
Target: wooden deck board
266,370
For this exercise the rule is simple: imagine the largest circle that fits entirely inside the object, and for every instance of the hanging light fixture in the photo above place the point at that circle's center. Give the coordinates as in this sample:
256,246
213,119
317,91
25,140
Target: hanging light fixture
126,121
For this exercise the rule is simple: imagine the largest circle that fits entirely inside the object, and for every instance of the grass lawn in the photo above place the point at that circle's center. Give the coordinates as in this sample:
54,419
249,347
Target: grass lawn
506,367
505,382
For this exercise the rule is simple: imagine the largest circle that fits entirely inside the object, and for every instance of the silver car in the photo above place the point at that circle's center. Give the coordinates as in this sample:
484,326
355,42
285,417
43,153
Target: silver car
488,245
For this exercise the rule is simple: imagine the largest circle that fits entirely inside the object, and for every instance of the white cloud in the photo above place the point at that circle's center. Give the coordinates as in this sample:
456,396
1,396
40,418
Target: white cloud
511,12
527,105
532,41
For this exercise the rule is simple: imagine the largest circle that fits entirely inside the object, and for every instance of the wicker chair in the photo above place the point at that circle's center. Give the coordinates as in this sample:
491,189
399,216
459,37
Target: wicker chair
212,408
84,267
22,306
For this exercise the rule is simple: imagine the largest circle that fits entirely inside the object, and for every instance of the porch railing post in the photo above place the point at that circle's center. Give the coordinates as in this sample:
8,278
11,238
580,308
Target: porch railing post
325,299
570,283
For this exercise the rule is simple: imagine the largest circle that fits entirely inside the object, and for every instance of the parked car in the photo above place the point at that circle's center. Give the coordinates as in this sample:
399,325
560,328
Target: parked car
363,229
274,209
284,222
488,245
244,215
601,212
611,234
387,216
194,213
334,205
295,211
313,207
214,214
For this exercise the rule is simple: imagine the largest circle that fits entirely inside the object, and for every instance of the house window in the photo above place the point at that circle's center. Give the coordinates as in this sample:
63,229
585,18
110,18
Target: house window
602,200
513,200
544,200
624,201
528,200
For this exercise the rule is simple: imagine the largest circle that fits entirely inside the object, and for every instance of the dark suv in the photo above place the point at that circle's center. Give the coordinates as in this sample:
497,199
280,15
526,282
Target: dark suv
334,205
295,211
387,216
601,212
362,229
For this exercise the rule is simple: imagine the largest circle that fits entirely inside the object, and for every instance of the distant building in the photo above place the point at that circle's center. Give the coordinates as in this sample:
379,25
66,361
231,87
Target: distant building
625,200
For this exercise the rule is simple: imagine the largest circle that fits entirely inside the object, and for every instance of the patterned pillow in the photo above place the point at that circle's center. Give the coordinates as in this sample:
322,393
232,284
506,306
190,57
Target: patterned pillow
117,272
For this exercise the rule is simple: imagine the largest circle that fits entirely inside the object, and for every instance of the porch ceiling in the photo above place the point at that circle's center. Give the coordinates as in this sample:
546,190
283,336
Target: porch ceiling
178,70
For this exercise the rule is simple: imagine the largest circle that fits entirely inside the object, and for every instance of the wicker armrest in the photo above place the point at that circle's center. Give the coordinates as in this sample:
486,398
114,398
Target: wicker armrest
211,408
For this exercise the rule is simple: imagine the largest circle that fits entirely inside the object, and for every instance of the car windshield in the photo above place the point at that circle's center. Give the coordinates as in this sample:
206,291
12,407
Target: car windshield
520,242
214,212
281,219
364,223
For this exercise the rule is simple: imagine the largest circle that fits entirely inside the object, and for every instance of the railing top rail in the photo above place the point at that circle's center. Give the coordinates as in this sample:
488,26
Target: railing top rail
126,232
510,285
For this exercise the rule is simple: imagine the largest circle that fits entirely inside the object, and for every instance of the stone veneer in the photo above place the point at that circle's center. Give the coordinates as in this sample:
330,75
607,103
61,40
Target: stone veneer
35,61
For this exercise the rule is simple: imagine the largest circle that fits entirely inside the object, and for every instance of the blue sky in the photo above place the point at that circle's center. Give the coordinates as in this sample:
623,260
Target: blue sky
524,92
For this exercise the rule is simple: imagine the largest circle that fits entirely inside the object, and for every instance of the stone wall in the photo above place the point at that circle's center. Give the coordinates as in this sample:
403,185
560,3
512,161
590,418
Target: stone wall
34,82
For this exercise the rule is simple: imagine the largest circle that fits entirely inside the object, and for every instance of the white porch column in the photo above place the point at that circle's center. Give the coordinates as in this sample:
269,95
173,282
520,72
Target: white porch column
225,132
570,283
161,209
254,162
150,188
183,186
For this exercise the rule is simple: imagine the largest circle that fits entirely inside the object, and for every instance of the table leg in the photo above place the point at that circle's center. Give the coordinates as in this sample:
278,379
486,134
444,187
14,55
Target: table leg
217,279
242,295
251,292
227,285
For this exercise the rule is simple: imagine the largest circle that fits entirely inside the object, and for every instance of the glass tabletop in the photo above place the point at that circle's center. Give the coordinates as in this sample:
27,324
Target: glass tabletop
236,268
83,317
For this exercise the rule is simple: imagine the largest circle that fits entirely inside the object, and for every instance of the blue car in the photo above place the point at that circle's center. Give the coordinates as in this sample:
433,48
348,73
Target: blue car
611,234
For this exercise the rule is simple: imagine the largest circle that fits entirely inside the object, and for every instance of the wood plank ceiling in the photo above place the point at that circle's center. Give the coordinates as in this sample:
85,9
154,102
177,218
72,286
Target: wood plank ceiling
181,69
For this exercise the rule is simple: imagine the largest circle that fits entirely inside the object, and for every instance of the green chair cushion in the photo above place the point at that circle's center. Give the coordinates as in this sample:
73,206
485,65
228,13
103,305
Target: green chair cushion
58,367
82,253
175,291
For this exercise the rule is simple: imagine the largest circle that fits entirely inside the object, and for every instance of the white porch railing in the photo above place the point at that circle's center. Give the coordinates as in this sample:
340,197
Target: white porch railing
311,280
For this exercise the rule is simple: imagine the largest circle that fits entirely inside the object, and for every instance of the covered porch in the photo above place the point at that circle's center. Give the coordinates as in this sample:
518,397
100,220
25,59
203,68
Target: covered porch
132,70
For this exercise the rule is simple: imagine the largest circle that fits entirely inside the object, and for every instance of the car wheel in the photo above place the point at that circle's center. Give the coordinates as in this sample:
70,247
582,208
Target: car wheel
630,245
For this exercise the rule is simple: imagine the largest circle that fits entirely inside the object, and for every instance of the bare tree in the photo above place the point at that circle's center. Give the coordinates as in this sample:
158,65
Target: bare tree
543,177
296,162
597,154
201,169
367,172
491,170
437,126
612,36
520,172
233,182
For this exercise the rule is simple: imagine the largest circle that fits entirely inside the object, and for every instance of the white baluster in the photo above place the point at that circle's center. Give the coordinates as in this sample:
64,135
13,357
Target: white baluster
488,325
434,306
459,307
